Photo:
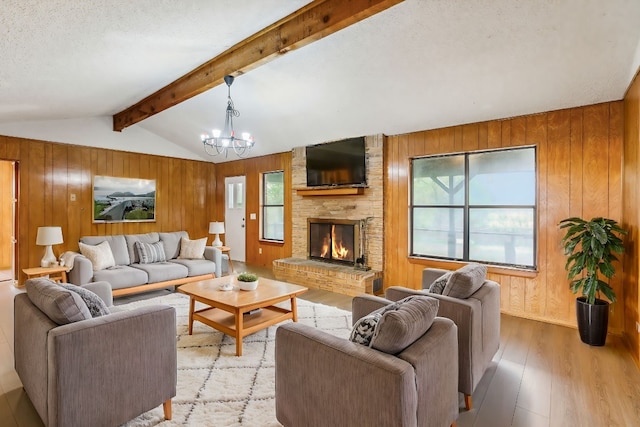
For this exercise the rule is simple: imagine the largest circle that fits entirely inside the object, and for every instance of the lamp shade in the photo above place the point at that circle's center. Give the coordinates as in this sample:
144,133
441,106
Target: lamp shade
216,228
49,236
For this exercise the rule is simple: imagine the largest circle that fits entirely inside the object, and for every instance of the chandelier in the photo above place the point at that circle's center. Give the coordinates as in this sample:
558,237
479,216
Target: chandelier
221,142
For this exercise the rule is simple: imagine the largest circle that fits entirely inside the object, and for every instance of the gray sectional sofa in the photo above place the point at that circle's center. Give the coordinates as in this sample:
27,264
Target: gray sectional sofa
130,274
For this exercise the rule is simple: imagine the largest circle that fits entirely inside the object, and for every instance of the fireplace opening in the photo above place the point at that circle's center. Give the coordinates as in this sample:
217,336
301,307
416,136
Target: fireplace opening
334,240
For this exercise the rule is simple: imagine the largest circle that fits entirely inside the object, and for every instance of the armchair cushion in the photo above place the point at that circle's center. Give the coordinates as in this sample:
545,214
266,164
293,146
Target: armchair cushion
95,304
100,255
60,305
465,281
403,322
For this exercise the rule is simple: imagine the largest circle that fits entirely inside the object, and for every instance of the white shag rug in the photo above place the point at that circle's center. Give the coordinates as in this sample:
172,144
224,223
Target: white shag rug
218,388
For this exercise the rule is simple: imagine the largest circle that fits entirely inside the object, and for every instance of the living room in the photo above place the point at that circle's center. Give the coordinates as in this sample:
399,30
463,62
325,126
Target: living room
588,165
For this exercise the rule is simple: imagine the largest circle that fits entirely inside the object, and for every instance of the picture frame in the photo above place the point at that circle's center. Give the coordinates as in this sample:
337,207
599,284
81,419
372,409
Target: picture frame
123,199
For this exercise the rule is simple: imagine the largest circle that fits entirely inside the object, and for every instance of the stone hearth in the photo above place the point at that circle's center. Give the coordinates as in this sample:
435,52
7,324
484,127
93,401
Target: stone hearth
329,277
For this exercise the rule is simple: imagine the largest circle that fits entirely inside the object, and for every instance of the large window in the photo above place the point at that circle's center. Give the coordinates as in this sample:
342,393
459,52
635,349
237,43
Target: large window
478,206
273,206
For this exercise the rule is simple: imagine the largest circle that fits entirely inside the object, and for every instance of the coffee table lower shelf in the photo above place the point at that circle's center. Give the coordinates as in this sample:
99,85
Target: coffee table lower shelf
225,322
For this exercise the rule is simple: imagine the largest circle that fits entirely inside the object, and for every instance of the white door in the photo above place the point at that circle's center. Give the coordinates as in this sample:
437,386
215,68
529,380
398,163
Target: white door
234,217
7,220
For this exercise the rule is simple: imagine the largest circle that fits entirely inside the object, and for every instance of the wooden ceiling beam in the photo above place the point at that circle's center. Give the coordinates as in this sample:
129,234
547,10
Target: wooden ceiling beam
314,21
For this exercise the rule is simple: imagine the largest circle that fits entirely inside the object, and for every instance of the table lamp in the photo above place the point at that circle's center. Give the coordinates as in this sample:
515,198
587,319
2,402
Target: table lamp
46,237
216,228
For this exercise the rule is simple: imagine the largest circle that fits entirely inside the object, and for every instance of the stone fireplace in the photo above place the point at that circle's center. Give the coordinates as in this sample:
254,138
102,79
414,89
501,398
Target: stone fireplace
364,209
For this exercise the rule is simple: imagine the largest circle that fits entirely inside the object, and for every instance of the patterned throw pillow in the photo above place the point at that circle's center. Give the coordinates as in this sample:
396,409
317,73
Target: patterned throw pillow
150,252
192,249
365,327
96,306
100,255
438,285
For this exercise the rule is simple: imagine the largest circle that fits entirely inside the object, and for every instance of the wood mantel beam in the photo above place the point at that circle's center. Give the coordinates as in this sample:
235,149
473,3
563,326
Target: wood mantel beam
314,21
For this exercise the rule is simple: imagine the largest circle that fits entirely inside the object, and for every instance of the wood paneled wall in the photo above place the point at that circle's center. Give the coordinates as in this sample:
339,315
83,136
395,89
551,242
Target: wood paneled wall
252,169
579,159
50,173
6,216
631,215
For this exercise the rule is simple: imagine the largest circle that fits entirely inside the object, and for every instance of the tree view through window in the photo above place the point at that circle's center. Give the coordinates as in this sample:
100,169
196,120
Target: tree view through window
273,206
478,206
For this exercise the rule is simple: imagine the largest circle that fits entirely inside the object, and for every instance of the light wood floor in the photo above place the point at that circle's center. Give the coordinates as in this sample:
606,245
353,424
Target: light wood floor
541,376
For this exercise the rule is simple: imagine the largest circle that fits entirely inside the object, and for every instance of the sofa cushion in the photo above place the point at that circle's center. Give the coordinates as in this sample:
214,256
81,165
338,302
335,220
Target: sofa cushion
196,267
192,249
364,328
465,281
171,242
94,303
150,252
121,276
405,322
131,239
438,285
117,243
100,255
60,305
162,271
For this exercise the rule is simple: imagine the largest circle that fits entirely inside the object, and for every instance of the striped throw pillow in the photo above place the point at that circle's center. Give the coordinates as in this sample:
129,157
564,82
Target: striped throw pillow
150,252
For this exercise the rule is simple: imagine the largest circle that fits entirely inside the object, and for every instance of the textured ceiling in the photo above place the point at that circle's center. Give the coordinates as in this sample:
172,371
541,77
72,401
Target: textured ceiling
67,65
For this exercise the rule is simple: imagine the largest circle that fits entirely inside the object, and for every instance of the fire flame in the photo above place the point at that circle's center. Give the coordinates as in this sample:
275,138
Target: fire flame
338,250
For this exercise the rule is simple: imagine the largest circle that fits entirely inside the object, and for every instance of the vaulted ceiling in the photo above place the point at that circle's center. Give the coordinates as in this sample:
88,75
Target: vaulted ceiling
67,66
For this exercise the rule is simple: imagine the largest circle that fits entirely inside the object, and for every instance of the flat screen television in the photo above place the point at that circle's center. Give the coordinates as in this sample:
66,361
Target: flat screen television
337,163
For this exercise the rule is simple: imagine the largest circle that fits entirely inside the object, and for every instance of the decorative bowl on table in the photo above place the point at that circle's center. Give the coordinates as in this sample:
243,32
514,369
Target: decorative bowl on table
247,281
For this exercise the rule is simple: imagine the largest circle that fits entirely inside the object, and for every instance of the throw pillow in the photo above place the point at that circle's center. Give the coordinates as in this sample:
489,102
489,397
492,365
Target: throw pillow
100,255
192,249
58,304
465,281
438,285
364,328
397,329
94,303
150,252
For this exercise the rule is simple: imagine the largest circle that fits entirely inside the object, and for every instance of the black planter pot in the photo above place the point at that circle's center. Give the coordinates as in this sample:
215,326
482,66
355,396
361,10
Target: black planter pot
593,320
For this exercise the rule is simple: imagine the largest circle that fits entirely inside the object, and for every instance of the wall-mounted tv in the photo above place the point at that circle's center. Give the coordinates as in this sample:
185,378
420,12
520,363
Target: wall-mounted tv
336,163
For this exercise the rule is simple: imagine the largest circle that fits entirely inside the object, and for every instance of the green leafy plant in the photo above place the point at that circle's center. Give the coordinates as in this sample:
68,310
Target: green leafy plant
591,247
247,277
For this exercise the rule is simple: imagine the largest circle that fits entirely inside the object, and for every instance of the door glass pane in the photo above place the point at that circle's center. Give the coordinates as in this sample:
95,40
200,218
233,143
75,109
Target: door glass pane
438,181
502,235
503,178
438,232
239,196
230,197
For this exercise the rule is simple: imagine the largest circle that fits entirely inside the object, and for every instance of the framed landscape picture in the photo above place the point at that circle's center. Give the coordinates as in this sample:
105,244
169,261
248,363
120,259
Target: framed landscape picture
123,199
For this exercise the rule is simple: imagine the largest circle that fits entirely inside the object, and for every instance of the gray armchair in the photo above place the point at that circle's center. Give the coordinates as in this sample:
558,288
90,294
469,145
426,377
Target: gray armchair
92,371
478,321
323,380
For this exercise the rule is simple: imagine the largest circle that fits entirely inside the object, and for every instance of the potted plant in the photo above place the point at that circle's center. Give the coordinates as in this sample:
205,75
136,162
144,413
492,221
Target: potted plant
247,281
591,247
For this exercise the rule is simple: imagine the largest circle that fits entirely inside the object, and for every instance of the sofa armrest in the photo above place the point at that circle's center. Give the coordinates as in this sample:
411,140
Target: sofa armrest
103,290
214,254
363,305
310,361
396,293
125,360
82,271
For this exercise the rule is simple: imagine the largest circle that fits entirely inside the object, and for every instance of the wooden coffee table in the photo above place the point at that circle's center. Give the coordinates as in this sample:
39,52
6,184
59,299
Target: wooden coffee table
228,311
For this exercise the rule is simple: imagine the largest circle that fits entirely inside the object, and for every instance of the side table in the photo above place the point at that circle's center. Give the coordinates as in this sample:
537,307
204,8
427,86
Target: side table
56,273
227,250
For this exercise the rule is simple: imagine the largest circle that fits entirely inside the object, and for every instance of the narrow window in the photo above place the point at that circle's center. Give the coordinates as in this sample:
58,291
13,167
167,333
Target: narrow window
273,206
